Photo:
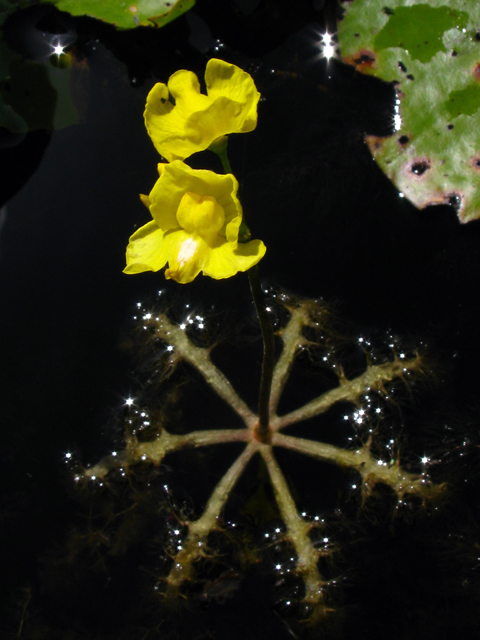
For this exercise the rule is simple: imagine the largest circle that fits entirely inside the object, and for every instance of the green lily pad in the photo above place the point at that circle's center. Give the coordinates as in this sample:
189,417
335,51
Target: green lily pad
29,93
431,52
128,14
33,95
37,95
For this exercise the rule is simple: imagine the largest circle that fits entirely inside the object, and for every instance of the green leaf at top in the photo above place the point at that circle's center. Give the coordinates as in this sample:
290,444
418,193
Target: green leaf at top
128,14
419,29
431,52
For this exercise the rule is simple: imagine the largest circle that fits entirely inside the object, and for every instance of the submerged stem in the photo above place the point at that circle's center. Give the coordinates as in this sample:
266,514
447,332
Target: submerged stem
268,355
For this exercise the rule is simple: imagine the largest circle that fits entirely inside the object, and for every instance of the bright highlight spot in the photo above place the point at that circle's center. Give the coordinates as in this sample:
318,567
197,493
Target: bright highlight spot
328,46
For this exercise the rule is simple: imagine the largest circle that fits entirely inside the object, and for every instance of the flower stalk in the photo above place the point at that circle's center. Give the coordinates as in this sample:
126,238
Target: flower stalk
268,363
219,147
263,430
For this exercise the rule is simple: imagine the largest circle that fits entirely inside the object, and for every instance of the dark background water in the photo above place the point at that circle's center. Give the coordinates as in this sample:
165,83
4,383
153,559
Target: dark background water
334,227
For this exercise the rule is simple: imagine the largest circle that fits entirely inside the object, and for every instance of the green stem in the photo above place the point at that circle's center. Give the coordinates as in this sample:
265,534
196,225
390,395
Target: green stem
263,431
222,154
219,146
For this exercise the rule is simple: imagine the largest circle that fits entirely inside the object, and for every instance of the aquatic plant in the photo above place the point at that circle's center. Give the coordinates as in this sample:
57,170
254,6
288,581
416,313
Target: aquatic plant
429,52
198,227
262,432
127,15
56,109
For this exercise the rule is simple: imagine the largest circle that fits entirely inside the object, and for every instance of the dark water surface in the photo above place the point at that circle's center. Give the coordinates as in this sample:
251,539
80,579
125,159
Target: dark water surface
336,229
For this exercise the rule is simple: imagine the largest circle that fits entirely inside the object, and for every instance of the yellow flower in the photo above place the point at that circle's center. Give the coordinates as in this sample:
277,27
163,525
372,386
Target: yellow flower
192,121
196,218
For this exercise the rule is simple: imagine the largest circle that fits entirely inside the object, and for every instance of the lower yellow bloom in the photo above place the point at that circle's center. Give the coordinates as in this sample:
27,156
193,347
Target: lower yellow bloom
196,218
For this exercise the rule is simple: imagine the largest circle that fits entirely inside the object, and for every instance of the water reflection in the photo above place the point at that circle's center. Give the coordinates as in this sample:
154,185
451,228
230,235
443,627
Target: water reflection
334,228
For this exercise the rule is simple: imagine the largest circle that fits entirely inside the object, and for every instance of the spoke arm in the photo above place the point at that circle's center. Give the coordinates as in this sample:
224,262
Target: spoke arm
297,531
157,449
292,338
374,378
370,468
199,358
196,542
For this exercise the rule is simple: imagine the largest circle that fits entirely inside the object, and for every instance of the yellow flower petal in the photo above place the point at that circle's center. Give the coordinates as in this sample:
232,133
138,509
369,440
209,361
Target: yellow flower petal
202,215
158,100
181,120
165,123
219,118
146,250
225,262
188,254
185,90
229,81
197,216
145,200
177,178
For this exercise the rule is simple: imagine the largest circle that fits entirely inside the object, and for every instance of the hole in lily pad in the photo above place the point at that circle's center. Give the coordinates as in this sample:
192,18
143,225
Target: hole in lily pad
404,139
410,77
477,36
419,167
402,67
450,126
454,200
364,59
476,163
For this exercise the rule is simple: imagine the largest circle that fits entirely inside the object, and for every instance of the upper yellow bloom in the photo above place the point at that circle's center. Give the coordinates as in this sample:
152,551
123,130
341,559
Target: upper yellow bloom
181,120
196,218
